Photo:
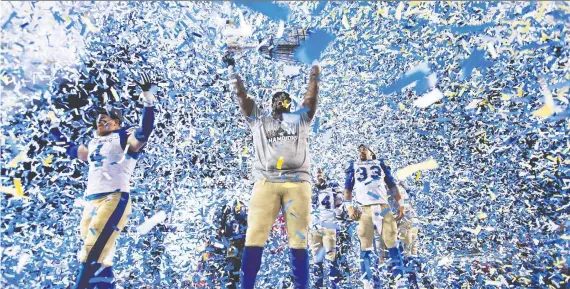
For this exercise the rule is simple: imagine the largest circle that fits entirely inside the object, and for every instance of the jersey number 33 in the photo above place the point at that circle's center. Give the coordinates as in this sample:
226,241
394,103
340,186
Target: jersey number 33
368,173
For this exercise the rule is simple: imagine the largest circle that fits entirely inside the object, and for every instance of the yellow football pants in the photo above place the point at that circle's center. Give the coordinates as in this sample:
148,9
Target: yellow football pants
323,238
409,236
372,223
102,222
264,205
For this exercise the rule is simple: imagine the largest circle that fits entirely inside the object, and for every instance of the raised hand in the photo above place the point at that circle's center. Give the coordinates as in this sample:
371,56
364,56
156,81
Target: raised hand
228,60
315,71
145,84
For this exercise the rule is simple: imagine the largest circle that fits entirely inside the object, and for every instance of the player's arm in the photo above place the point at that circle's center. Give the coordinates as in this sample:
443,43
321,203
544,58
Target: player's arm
245,103
391,183
141,135
311,97
348,186
76,151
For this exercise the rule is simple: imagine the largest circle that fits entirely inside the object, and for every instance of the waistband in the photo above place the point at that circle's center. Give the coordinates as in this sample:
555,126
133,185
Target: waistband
101,195
375,204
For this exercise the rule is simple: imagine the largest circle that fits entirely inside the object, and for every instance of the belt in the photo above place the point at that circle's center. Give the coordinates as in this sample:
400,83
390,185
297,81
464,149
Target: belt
99,195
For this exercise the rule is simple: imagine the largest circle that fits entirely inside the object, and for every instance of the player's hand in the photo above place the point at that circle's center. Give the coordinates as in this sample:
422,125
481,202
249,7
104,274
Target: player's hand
353,213
401,213
228,60
315,71
145,84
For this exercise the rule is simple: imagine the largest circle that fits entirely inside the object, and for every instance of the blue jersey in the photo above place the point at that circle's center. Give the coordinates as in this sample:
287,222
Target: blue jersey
235,224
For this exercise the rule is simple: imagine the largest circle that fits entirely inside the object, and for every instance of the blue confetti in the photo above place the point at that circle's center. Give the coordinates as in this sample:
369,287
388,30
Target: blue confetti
312,48
271,10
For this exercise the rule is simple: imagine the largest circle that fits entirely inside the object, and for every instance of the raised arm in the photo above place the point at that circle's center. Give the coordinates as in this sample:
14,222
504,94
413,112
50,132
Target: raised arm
312,96
141,135
76,151
245,103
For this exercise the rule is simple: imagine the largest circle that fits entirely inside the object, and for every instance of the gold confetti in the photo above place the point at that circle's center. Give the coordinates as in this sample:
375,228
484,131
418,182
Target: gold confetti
48,160
279,163
19,191
52,116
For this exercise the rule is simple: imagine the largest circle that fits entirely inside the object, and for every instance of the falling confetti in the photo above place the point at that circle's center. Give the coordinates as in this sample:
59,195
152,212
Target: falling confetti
467,101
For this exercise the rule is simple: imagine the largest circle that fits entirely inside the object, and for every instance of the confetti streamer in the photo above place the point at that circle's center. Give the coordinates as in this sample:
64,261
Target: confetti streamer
428,99
497,136
411,169
271,10
312,48
145,227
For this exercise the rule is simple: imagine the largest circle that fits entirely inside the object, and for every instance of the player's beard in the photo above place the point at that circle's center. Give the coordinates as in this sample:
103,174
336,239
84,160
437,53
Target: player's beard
279,108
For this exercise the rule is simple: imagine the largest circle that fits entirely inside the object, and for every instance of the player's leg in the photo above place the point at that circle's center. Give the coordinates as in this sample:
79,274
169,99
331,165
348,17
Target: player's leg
297,197
263,208
318,252
236,264
390,237
329,241
409,234
365,233
378,212
382,252
88,212
344,246
104,229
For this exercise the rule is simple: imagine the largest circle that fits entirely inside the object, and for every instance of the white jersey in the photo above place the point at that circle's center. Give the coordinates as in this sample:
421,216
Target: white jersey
410,210
368,180
326,209
110,166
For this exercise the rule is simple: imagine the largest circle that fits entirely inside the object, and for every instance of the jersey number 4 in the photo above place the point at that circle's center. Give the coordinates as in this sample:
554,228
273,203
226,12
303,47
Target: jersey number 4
362,173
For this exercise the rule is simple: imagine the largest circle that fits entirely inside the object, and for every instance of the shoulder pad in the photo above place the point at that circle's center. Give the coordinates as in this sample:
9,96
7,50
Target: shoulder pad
334,185
385,162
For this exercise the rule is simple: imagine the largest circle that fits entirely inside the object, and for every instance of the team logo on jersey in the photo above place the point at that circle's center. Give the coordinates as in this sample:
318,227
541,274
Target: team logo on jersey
283,133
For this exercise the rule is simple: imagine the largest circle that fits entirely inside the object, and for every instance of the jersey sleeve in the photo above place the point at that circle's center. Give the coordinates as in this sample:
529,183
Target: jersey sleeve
388,178
124,134
256,114
349,181
304,113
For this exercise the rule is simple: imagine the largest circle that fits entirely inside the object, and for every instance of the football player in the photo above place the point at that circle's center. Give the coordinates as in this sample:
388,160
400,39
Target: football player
234,222
323,239
368,178
112,155
281,173
408,233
